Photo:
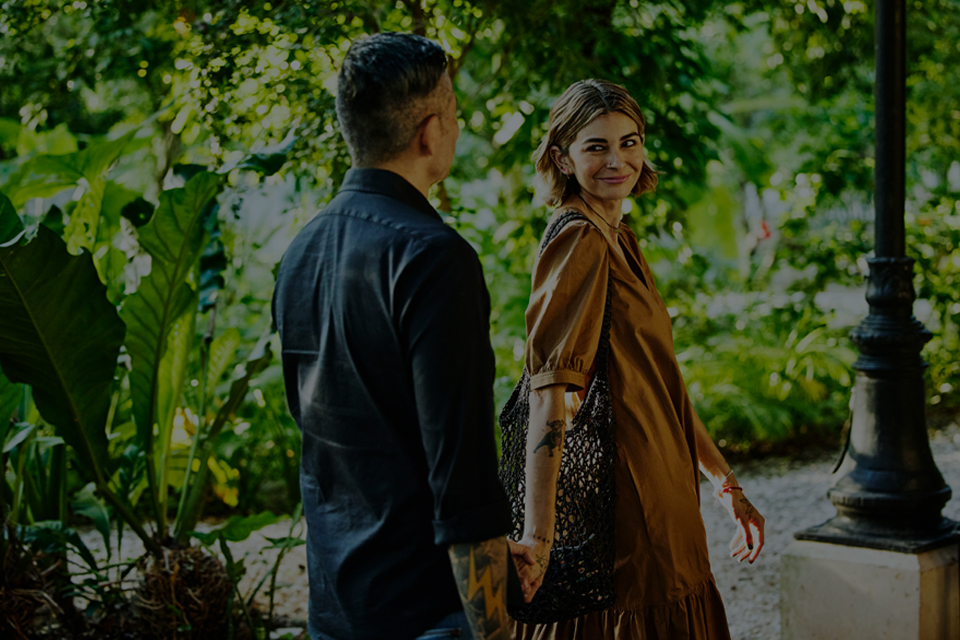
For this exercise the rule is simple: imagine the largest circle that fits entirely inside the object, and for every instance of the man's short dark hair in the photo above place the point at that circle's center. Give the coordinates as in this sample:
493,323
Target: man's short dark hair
381,85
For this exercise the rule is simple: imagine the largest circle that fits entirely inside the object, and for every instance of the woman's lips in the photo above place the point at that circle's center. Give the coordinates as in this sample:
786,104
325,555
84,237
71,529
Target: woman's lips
614,179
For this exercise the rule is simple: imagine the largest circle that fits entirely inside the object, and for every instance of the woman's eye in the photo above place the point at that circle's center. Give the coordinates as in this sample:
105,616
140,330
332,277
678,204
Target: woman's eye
595,147
630,143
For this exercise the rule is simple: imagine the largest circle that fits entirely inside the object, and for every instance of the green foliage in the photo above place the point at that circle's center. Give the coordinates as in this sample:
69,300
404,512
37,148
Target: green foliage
59,334
160,317
106,107
86,503
188,515
10,224
54,537
64,335
768,382
236,528
42,464
934,240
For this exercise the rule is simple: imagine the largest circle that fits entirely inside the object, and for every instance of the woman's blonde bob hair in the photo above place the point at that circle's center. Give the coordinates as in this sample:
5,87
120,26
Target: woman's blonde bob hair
582,103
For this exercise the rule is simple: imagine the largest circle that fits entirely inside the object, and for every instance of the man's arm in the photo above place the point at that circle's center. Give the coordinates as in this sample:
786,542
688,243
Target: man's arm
480,570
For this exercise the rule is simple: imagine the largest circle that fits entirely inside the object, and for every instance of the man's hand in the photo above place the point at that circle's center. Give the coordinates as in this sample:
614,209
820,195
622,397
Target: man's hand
480,570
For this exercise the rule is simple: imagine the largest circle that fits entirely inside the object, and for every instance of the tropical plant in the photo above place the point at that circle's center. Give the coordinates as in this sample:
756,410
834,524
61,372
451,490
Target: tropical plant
62,334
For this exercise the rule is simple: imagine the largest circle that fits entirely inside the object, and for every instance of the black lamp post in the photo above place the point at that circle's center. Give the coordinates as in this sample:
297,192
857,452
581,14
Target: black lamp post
890,494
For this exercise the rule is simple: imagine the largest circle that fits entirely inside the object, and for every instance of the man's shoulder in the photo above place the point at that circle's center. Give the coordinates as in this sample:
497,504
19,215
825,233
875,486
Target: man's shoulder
380,220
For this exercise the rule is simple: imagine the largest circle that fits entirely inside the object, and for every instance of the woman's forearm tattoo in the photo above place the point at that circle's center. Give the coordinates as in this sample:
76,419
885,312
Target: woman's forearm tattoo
553,438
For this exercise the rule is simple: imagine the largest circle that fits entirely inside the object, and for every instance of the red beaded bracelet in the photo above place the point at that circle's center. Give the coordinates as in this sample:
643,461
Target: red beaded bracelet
728,490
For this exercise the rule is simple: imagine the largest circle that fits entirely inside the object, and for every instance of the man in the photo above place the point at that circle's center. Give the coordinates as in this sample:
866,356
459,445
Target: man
383,316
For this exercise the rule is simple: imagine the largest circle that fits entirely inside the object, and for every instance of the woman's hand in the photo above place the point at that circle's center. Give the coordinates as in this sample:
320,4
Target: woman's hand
532,563
522,556
748,540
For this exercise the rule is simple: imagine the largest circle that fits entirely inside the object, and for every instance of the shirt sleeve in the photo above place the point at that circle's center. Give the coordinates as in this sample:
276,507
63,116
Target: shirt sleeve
446,325
565,314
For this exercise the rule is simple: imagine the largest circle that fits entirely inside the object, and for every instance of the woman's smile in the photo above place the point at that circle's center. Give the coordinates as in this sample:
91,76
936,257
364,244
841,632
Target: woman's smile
615,179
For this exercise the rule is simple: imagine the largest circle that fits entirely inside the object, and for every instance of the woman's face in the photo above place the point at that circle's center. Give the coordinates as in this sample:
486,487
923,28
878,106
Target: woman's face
606,157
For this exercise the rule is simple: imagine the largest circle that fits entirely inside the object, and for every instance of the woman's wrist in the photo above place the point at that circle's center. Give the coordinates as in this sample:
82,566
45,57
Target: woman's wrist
537,538
729,480
721,480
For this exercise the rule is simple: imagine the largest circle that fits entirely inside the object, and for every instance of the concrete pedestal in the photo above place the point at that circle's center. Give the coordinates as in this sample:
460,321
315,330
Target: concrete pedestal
835,592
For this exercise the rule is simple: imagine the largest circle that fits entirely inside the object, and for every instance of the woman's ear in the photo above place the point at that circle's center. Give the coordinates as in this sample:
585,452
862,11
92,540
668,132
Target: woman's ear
559,159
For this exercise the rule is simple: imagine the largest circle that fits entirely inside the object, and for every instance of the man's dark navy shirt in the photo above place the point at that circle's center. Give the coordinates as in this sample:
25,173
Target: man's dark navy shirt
383,317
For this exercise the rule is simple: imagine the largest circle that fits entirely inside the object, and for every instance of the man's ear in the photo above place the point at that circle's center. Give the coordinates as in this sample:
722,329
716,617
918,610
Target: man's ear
429,136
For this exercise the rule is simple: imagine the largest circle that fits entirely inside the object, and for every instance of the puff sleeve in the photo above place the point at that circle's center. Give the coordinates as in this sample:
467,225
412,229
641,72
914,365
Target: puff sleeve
565,314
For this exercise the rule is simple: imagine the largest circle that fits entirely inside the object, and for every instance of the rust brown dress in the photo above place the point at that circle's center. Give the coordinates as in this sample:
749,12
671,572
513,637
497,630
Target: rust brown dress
664,587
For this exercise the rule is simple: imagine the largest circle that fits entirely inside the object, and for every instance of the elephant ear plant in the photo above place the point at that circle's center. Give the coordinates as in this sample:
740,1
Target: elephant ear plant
60,335
72,334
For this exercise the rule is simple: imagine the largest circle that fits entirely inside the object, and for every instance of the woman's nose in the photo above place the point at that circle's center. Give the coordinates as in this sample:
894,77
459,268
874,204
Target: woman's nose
614,161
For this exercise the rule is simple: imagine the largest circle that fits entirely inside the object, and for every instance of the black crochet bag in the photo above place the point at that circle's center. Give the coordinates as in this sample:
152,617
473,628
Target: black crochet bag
579,577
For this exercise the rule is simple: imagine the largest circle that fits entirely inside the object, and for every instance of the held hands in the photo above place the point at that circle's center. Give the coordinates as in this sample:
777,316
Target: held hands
531,556
748,539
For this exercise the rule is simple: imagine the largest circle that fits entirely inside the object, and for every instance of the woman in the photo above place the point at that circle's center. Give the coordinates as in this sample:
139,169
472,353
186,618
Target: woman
590,160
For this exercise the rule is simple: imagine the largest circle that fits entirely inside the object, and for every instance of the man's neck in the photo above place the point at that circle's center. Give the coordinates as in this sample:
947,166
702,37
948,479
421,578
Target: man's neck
411,171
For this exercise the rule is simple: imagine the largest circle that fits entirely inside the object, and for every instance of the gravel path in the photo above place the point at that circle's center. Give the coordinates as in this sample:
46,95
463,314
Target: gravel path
789,493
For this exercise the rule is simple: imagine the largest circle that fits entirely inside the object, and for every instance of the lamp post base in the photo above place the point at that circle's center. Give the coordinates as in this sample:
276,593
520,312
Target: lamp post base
837,592
844,531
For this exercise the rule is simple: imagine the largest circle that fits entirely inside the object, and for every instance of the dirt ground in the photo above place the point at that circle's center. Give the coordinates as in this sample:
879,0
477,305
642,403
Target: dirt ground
790,493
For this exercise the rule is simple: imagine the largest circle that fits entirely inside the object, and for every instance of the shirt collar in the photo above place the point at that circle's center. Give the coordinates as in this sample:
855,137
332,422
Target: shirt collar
390,184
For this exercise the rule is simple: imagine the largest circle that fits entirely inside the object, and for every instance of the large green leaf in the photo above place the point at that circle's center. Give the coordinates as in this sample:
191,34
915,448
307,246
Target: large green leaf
160,314
173,376
222,350
150,315
46,175
60,335
10,223
174,238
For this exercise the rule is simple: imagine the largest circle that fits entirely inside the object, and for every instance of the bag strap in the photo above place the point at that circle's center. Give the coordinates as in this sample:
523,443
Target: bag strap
558,224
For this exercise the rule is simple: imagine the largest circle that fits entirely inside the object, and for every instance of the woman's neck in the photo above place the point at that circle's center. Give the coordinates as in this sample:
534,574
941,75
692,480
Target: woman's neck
609,211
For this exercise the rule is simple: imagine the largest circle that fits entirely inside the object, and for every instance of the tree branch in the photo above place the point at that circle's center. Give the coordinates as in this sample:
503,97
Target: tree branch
419,26
454,66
